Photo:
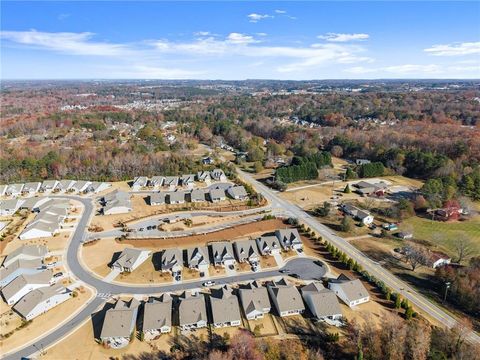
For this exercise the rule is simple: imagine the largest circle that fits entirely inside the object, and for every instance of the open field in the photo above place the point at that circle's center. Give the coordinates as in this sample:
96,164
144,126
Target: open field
99,254
445,234
41,324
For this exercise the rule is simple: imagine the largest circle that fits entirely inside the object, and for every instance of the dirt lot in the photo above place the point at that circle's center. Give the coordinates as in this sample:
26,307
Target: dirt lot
98,255
263,327
252,230
39,325
199,222
144,274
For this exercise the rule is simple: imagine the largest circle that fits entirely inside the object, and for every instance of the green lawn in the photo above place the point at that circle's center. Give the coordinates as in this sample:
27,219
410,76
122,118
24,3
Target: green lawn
445,234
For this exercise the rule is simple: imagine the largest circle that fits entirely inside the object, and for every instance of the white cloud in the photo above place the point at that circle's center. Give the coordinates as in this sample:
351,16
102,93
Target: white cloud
280,11
150,72
66,42
257,17
237,38
335,37
404,69
202,33
457,49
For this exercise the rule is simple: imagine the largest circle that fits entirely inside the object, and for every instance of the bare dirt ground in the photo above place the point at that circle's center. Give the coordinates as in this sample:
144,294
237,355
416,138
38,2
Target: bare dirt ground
39,325
252,230
263,327
99,254
54,243
199,222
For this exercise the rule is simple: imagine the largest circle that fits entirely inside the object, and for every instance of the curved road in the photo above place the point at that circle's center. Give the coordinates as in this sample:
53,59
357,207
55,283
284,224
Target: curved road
303,267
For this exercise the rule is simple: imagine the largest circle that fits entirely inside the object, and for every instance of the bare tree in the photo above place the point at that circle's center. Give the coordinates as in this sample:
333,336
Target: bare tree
463,248
417,341
415,256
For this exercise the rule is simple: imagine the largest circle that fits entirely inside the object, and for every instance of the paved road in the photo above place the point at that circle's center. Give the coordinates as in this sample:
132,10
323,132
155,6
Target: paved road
375,269
300,266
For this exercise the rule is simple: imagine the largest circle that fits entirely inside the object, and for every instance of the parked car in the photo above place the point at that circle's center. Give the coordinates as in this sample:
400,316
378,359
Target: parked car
286,271
58,275
208,283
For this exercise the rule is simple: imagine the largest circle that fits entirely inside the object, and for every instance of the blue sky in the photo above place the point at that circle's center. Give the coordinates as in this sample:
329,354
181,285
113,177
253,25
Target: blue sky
239,40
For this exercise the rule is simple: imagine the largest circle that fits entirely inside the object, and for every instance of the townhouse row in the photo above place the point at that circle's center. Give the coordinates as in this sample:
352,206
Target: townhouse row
172,182
225,307
53,186
27,283
219,253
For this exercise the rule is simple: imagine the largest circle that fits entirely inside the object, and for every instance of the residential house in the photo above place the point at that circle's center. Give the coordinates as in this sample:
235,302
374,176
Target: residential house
25,283
25,252
217,195
119,324
157,317
351,292
322,302
204,176
208,161
158,198
197,258
64,186
404,235
362,215
237,192
139,182
362,161
171,260
218,175
97,187
80,186
117,202
130,259
289,239
31,188
39,301
437,259
255,301
48,186
247,251
188,180
222,253
367,188
19,267
285,298
14,190
3,189
49,220
10,207
176,197
269,245
156,181
192,312
33,204
225,308
170,182
197,195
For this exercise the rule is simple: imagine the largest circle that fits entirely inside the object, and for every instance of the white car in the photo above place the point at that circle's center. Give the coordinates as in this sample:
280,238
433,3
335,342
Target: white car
208,283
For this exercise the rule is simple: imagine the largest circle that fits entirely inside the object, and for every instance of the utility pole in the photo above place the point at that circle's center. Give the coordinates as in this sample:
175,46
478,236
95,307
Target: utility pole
447,286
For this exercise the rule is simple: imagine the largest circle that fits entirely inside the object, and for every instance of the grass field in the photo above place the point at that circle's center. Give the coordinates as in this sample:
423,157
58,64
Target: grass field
445,234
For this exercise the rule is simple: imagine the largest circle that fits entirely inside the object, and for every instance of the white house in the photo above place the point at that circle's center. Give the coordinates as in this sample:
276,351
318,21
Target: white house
197,258
285,298
237,192
170,182
10,207
158,198
130,259
192,312
218,175
171,260
19,267
197,195
14,190
157,317
269,245
255,301
364,216
80,186
217,195
322,303
225,308
48,186
64,185
117,202
156,181
25,252
176,197
437,259
3,189
23,284
41,300
204,176
222,253
97,187
289,239
247,251
351,292
188,180
31,188
119,324
139,182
